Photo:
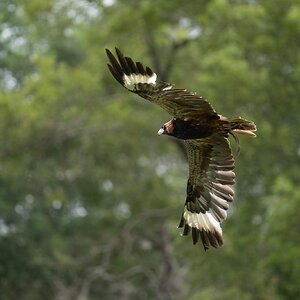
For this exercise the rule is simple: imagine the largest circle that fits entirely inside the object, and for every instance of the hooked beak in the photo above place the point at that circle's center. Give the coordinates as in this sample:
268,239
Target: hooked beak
161,131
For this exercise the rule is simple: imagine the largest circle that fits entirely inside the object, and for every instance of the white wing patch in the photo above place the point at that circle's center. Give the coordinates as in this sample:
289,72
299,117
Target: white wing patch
202,221
168,88
132,79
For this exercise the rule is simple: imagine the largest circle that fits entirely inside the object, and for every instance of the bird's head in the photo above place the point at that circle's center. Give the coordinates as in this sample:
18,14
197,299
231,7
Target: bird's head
167,129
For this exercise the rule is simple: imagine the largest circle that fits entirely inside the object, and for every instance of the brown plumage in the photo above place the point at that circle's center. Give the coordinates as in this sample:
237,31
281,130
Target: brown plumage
205,134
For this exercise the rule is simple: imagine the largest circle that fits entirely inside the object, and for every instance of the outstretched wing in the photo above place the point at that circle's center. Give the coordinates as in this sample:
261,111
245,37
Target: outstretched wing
211,173
141,80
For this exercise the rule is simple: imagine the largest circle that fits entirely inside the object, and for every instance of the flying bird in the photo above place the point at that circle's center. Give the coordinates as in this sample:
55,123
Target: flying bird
205,134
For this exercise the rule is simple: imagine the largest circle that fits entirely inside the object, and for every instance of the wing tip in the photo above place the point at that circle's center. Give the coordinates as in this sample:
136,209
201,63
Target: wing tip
127,72
107,51
209,237
115,67
115,74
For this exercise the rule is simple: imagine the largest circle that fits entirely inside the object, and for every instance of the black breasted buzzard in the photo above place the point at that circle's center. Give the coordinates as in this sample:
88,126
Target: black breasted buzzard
205,134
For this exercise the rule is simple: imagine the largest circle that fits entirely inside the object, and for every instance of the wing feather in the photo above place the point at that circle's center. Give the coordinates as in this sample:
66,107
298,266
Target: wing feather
209,192
141,80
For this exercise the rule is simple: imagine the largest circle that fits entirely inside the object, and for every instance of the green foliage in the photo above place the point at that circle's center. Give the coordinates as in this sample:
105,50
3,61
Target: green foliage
90,197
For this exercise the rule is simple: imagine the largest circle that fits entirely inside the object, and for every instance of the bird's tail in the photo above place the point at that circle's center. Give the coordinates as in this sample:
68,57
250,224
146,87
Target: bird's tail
239,125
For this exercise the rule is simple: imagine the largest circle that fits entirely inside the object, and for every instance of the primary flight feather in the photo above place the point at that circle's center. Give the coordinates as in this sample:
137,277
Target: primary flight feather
205,134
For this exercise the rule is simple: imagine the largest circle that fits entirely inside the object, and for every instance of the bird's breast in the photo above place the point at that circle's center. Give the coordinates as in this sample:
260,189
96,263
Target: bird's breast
185,130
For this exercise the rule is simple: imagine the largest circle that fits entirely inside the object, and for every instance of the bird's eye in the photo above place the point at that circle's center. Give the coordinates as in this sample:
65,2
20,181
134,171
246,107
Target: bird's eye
164,127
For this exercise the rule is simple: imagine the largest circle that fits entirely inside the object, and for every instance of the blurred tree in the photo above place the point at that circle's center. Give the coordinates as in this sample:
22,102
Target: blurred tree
90,197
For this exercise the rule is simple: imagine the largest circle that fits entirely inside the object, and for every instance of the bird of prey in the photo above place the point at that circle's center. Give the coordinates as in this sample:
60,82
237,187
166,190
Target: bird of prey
205,134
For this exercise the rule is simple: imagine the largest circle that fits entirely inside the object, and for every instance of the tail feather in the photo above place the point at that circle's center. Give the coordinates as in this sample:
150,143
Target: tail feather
239,125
